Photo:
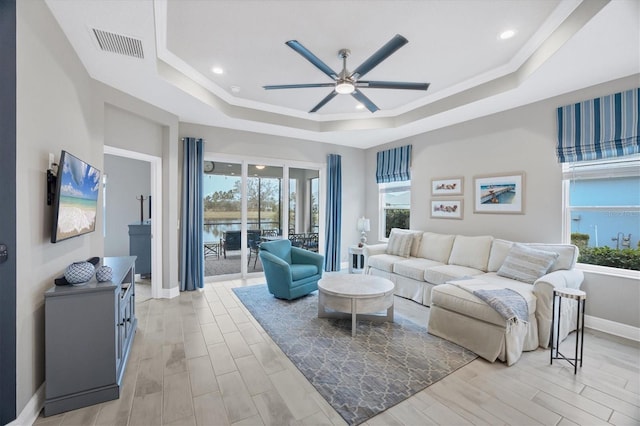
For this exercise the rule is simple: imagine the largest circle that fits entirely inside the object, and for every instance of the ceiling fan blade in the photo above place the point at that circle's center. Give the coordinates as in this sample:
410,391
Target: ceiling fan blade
392,85
317,62
298,86
360,97
324,101
383,53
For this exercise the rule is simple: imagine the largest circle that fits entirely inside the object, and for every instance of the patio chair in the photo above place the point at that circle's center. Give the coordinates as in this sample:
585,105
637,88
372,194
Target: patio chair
290,272
254,239
312,242
297,240
231,241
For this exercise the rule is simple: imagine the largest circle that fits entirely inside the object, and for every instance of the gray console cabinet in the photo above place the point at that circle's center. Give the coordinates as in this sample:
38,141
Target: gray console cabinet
89,330
140,246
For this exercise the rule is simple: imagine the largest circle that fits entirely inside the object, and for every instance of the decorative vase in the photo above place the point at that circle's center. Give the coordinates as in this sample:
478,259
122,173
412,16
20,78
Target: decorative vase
79,272
104,273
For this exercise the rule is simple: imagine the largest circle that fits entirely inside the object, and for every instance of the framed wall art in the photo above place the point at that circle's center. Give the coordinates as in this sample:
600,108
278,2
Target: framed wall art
447,186
499,193
447,209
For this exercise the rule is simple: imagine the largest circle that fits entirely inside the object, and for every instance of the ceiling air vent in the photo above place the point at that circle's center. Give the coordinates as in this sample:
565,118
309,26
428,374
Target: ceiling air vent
116,43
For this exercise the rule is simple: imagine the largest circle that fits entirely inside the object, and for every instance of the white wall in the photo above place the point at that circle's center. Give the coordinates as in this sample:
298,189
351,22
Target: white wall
55,111
126,130
522,139
138,127
127,180
233,142
60,107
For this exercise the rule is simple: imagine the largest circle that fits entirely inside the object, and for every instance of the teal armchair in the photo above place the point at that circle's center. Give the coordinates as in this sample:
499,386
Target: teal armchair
291,272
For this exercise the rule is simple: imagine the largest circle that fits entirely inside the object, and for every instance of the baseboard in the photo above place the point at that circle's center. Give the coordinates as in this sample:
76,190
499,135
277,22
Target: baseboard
611,327
170,293
32,410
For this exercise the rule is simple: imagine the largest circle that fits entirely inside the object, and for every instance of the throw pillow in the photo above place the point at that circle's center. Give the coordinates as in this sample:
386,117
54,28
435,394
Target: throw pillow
399,244
415,244
526,264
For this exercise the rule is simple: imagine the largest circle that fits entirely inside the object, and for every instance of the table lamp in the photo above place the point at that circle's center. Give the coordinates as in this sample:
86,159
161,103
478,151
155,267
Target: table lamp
363,226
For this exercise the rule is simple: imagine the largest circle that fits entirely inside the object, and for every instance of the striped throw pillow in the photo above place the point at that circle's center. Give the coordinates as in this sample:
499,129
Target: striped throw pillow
399,243
526,264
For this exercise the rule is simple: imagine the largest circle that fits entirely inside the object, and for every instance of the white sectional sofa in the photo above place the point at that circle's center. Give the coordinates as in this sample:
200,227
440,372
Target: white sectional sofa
432,269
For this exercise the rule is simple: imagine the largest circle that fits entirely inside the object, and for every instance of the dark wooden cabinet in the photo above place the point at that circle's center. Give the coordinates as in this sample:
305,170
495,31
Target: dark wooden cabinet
89,330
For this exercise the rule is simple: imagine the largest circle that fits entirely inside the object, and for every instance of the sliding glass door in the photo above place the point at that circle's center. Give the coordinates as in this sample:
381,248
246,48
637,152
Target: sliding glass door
249,202
222,187
304,208
264,208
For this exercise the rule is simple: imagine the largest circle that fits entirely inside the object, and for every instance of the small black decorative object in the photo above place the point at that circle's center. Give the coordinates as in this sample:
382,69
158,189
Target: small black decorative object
51,186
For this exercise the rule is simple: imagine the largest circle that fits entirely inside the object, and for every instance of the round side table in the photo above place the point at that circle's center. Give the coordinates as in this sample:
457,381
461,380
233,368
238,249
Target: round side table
580,297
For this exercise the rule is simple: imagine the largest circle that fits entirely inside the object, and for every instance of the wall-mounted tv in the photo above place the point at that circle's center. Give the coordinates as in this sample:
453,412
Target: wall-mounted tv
75,202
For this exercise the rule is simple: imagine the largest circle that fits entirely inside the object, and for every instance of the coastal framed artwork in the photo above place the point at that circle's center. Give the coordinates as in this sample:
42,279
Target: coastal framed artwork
447,209
447,186
499,193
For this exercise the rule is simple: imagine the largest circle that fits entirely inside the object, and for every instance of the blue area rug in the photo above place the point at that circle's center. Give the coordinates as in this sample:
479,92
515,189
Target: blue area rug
361,376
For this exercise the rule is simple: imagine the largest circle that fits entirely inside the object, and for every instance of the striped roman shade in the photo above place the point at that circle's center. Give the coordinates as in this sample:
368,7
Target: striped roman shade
605,127
394,165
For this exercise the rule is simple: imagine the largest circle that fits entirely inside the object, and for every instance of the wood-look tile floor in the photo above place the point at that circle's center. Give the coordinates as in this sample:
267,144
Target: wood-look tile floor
202,359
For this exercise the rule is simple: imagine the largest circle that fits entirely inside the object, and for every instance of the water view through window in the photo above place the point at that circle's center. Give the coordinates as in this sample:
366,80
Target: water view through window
268,211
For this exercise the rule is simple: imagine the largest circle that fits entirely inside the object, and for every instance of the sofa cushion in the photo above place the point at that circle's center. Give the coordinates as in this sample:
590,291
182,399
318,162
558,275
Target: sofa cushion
413,267
436,246
499,251
526,264
399,243
443,273
383,262
471,251
456,299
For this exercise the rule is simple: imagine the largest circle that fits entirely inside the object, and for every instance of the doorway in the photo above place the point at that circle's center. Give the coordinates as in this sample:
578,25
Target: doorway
150,218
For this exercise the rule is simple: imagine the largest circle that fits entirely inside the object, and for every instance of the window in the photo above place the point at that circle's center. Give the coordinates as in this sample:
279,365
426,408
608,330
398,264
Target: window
395,203
602,211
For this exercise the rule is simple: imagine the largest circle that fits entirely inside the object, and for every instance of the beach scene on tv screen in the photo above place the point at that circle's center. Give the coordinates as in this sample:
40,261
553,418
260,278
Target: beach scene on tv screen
78,198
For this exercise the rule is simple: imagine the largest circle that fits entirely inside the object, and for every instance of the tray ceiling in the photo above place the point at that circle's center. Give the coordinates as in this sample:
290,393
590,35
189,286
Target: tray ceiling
454,45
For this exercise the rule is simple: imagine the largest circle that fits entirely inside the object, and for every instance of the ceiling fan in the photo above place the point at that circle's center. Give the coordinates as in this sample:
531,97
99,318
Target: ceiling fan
349,83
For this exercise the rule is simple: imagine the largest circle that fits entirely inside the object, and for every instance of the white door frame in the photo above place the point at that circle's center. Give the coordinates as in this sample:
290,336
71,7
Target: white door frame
156,208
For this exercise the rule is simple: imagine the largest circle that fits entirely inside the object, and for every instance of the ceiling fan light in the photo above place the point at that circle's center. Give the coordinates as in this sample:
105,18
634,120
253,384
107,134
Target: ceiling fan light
345,87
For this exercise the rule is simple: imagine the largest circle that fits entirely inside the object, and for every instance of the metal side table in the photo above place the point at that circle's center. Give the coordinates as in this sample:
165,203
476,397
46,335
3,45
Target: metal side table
580,297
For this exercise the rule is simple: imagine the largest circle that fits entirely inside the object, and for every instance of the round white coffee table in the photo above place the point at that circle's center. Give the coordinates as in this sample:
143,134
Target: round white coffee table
350,294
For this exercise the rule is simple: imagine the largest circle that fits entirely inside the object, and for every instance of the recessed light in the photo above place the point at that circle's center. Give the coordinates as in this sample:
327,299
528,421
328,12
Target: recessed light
505,35
217,70
235,89
359,106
